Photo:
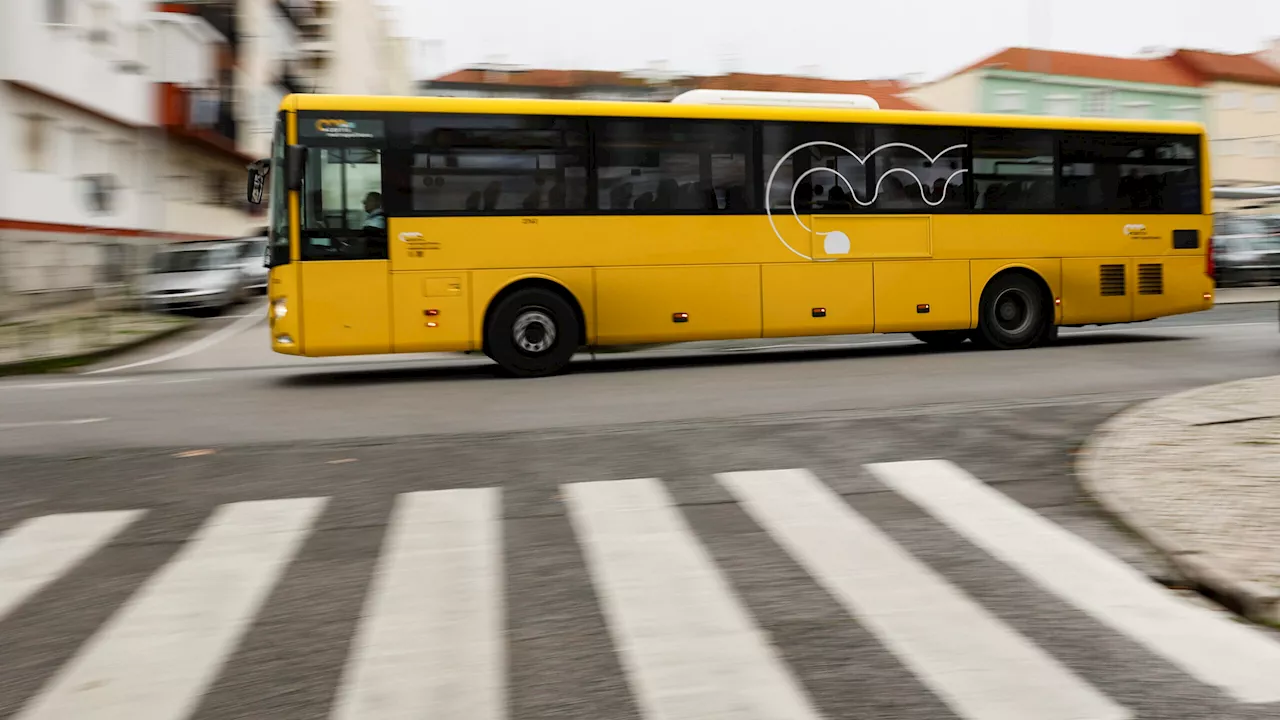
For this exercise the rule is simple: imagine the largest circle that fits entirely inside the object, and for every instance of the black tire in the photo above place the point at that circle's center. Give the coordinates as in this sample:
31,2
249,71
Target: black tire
532,333
942,339
1013,314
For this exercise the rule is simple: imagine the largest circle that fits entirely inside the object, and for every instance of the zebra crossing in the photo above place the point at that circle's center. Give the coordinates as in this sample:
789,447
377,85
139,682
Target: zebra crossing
432,637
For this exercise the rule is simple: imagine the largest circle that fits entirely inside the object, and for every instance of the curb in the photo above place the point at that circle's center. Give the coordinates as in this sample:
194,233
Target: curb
56,363
1252,600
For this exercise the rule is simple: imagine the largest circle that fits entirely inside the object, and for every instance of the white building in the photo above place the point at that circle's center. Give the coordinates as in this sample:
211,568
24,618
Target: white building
115,134
348,48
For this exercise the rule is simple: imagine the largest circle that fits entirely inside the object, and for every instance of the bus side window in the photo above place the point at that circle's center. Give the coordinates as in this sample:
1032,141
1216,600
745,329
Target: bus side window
343,212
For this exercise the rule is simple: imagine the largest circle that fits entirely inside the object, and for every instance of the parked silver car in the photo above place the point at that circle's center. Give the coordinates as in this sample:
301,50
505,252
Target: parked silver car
1246,251
253,257
195,276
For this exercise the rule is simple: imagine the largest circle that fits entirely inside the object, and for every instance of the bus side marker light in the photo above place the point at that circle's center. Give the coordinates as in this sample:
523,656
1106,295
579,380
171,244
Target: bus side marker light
431,313
819,312
1057,301
922,308
680,317
284,339
432,324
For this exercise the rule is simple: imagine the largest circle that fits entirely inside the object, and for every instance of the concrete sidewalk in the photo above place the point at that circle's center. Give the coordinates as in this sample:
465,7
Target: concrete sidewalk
58,341
1234,296
1198,475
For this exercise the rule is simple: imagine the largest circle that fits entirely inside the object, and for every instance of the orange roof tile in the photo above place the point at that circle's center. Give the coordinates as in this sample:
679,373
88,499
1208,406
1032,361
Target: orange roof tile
1220,66
1159,71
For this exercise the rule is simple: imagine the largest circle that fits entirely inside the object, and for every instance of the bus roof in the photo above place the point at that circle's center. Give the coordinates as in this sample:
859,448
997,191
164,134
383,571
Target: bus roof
514,106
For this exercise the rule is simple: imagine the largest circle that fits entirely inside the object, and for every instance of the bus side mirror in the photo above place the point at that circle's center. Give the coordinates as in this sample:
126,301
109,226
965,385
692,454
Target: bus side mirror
257,181
295,160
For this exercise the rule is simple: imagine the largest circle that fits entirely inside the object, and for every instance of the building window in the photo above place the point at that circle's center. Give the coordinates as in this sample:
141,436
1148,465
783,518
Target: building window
100,26
36,142
1230,100
1061,105
1137,110
57,12
1097,102
498,163
673,165
1011,101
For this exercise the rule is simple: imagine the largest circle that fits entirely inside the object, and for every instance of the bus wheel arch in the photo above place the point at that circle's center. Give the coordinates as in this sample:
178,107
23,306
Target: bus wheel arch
540,301
1016,310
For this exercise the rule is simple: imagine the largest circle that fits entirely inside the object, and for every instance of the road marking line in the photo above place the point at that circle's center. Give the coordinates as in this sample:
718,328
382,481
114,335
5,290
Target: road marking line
976,664
51,423
73,385
689,648
1206,644
40,550
204,343
430,643
1122,327
161,651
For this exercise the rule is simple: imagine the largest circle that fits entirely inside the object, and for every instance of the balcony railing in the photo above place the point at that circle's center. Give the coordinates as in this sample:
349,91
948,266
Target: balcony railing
203,114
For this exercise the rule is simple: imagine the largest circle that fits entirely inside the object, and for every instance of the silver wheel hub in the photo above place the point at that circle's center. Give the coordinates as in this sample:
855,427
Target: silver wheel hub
534,331
1013,311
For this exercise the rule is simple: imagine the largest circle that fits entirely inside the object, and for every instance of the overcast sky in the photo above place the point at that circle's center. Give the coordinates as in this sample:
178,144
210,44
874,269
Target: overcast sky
831,38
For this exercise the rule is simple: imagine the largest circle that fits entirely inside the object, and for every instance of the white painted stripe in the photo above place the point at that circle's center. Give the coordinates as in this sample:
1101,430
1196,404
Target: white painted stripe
981,668
40,550
240,325
1206,644
160,652
690,649
431,644
51,423
73,385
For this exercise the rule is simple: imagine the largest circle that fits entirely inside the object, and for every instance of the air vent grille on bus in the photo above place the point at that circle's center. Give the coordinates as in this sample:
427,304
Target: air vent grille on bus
1111,279
1151,279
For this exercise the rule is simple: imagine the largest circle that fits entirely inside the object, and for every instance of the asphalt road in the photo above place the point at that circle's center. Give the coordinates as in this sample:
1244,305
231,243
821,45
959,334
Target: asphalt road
303,547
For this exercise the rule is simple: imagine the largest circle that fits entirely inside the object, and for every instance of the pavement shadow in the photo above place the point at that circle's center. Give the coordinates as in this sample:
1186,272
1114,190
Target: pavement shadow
604,364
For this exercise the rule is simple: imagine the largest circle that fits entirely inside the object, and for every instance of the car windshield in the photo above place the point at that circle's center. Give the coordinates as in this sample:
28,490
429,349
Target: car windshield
254,249
174,261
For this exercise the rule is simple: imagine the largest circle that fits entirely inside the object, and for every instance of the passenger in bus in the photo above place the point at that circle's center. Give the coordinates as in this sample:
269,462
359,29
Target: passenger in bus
492,192
374,229
374,216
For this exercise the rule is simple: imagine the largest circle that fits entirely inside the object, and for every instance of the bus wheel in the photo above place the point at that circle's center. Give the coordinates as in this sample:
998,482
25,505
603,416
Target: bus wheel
1012,313
942,339
533,332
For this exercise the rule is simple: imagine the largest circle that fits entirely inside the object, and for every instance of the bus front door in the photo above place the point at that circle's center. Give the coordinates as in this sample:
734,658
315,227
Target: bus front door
344,273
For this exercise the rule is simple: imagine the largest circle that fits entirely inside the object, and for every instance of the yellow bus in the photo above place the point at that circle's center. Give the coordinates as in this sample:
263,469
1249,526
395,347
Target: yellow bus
530,229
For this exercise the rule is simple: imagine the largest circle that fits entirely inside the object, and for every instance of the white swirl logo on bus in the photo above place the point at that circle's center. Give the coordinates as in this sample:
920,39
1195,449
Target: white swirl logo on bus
837,242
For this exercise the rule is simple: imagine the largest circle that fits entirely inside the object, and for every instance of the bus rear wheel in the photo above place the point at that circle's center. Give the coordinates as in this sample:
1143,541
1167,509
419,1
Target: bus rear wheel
533,333
1013,314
